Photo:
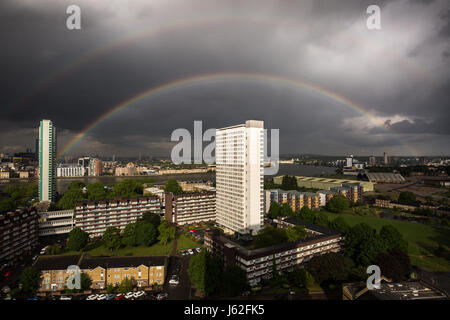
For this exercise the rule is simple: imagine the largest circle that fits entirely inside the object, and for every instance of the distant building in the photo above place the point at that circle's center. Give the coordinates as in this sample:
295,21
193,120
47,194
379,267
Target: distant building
240,177
64,170
24,174
128,170
349,162
386,158
324,183
47,161
18,234
95,167
190,208
372,160
5,175
385,177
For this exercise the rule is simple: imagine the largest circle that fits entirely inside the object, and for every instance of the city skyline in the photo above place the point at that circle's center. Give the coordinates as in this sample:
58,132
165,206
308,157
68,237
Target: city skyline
314,71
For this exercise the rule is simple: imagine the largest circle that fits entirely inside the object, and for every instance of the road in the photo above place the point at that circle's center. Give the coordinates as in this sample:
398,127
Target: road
182,290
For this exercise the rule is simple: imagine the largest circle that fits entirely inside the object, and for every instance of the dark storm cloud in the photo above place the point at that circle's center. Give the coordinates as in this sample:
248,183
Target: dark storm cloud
399,73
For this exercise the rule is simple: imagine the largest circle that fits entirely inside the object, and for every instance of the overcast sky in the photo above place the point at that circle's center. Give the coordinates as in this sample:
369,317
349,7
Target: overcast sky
399,74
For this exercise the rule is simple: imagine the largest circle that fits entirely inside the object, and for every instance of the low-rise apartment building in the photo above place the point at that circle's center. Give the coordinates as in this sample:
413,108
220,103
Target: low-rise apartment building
191,207
18,234
95,216
258,263
56,222
103,271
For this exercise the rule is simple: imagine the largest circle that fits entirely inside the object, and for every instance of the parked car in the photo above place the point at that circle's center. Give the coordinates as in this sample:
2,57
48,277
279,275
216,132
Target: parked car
110,296
174,280
119,296
190,251
32,298
177,268
92,297
8,274
139,294
162,296
35,257
198,249
101,297
129,295
65,298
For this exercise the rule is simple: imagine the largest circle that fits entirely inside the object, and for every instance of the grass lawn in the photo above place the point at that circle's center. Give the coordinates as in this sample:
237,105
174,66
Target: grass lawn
155,250
421,238
185,242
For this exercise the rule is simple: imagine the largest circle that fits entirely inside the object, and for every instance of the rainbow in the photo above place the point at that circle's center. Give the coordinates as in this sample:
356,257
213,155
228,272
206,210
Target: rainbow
46,82
240,76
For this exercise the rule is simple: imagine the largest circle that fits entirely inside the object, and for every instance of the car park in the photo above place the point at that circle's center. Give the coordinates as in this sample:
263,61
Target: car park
174,280
92,297
65,298
162,296
129,295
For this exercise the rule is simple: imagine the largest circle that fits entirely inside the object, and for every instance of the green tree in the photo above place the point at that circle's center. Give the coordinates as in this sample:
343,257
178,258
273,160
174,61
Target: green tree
146,233
126,285
407,197
110,289
128,188
129,235
85,281
111,238
295,233
234,280
329,267
363,244
393,239
166,232
152,218
300,277
321,219
286,210
78,239
289,183
307,214
275,210
338,204
70,199
173,186
29,280
205,269
97,191
269,236
339,224
395,264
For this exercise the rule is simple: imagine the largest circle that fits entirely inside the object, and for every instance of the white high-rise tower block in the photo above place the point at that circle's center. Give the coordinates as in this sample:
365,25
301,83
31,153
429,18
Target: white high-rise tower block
47,161
240,177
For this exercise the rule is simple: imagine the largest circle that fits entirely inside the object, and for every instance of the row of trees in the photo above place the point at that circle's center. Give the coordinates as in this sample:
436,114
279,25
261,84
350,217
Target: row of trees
270,236
127,188
208,274
144,232
17,196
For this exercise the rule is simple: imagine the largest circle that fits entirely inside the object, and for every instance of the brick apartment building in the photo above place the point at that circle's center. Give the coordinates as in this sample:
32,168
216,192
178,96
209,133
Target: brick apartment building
18,234
95,216
103,271
191,207
258,263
